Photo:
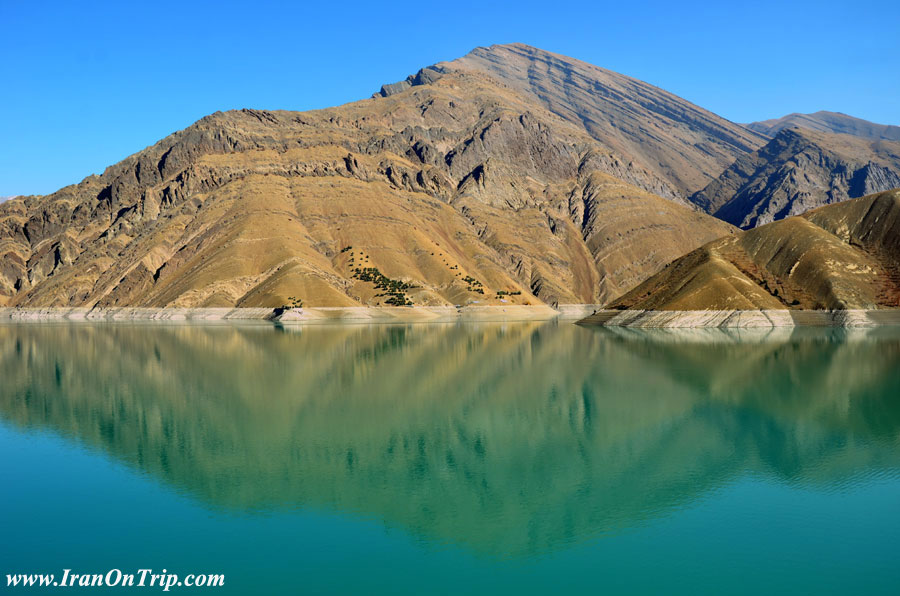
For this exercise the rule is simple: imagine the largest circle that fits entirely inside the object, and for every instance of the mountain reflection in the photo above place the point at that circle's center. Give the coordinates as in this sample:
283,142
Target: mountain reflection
510,439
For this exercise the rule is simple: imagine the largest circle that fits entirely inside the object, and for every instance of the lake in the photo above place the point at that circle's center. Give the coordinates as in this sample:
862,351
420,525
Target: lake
454,458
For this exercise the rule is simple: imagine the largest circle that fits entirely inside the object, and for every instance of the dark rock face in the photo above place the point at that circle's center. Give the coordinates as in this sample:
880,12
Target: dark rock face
872,178
829,122
425,76
800,170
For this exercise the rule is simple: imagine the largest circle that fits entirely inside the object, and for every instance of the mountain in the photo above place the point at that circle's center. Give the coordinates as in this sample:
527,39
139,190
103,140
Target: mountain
459,187
678,141
799,170
842,256
829,122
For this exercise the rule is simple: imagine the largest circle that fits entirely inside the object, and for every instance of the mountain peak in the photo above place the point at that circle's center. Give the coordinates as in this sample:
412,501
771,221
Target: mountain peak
516,48
828,122
512,45
687,146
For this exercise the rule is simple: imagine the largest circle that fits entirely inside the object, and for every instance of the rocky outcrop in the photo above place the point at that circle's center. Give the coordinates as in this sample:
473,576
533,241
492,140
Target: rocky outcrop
425,76
800,170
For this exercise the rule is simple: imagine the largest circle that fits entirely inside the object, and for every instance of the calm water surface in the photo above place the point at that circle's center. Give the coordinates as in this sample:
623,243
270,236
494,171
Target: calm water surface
527,458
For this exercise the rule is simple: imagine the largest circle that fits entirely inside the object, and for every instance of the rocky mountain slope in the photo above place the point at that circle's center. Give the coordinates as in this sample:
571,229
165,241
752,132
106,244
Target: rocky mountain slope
680,143
457,189
829,122
843,256
799,170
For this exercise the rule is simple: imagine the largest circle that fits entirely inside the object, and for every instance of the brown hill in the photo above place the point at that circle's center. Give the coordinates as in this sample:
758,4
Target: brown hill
447,192
799,170
830,122
843,256
682,144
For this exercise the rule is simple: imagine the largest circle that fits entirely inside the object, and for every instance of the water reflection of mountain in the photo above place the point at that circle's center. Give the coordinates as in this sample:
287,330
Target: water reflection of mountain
510,439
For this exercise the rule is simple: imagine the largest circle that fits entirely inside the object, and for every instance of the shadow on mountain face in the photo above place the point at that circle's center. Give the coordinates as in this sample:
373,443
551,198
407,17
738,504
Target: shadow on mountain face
510,439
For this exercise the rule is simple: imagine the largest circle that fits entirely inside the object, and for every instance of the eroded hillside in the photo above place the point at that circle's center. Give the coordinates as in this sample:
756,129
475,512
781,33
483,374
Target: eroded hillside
843,256
456,190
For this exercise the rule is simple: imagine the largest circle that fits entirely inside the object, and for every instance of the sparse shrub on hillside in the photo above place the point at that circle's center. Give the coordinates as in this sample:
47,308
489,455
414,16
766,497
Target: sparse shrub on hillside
393,288
293,302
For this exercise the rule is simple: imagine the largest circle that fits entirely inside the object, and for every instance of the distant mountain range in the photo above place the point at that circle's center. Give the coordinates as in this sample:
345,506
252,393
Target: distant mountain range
829,122
510,175
799,170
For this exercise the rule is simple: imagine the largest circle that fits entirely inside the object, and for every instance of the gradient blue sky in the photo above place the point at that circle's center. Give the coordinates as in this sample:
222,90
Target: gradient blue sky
84,84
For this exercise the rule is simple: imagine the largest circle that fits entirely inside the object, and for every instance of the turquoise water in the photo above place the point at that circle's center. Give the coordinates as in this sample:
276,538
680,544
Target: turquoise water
488,458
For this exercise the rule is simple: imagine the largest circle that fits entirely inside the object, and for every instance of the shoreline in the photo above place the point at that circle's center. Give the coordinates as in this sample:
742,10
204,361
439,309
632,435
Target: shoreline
310,315
582,314
672,319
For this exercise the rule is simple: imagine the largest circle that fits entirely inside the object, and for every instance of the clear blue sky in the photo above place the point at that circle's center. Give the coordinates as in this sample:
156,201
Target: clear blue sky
84,84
